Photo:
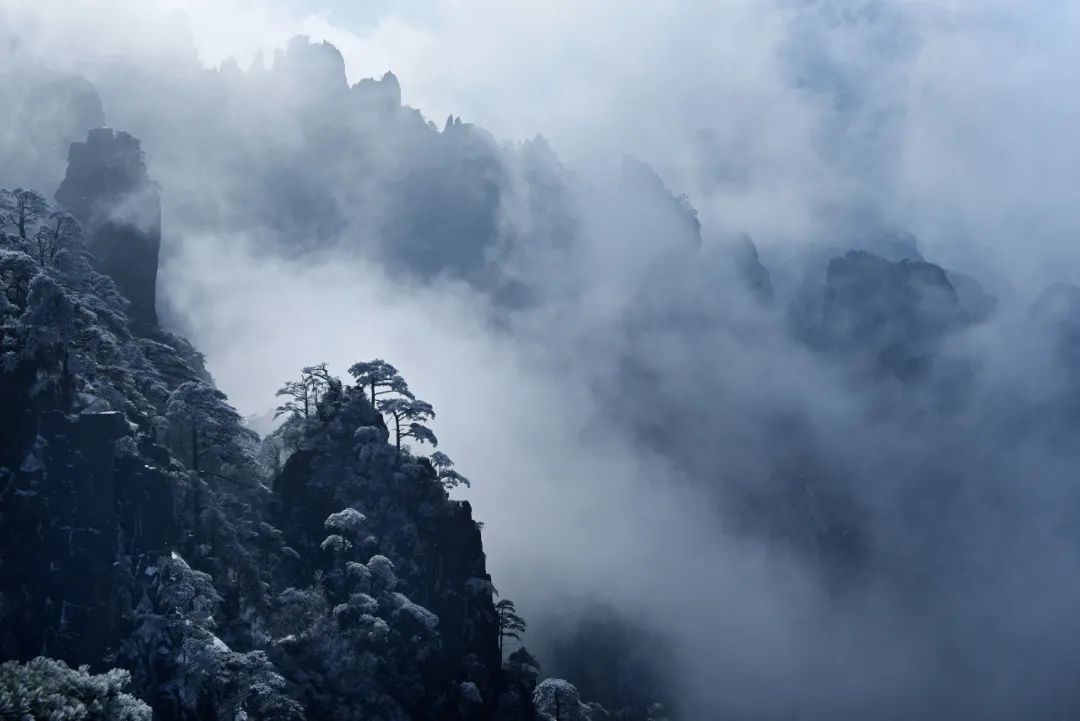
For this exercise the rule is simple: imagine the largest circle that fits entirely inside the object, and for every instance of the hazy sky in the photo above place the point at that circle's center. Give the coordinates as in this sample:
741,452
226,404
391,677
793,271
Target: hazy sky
953,118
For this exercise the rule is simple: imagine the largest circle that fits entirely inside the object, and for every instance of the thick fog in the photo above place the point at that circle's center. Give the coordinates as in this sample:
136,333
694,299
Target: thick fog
806,491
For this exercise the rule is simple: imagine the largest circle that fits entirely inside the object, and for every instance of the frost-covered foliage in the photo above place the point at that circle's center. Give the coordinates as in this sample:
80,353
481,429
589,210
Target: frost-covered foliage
66,345
45,688
68,321
444,467
206,432
302,397
190,668
369,646
409,415
349,521
361,657
232,532
558,700
55,310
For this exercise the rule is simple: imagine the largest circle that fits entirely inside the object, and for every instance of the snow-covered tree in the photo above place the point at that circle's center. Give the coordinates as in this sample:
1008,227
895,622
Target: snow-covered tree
46,688
299,403
359,657
52,318
53,237
408,415
559,700
208,433
179,657
444,469
347,522
320,380
17,269
303,395
338,545
22,210
379,378
227,499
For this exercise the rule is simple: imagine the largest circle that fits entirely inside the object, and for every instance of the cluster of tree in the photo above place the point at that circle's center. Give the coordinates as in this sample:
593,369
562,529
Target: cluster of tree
303,395
386,390
43,230
390,394
351,640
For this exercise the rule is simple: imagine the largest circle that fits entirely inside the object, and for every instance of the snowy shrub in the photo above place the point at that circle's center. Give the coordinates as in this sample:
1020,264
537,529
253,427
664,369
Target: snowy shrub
425,618
46,688
555,698
184,592
335,544
383,578
364,603
359,573
346,522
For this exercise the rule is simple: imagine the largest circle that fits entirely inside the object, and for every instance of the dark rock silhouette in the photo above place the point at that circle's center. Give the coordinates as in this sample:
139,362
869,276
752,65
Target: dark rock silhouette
1056,314
613,660
976,302
378,96
752,271
897,313
892,245
654,210
108,190
317,69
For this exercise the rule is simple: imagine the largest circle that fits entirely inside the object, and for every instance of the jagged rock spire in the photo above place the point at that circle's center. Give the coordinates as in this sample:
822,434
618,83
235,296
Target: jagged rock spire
108,189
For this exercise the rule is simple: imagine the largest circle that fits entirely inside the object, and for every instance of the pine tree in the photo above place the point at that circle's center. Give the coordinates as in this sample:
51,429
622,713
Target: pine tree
511,625
380,378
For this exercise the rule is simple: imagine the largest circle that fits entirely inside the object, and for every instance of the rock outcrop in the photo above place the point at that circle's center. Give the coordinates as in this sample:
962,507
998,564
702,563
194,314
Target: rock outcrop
433,542
655,213
896,314
378,96
751,271
108,189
